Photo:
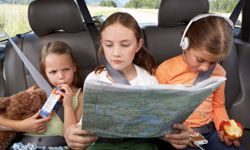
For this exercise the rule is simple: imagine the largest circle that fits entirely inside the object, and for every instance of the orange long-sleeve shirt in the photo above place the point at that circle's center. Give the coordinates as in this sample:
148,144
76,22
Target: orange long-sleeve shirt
176,71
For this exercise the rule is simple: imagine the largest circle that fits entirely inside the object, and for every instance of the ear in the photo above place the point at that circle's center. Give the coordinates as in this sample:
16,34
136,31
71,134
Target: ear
140,44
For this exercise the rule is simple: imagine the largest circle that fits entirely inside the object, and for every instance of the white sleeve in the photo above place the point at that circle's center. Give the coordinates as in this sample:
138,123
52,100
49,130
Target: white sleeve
91,76
153,80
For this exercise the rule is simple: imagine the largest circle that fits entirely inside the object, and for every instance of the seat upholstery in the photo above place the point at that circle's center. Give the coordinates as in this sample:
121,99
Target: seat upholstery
163,40
240,109
233,88
49,24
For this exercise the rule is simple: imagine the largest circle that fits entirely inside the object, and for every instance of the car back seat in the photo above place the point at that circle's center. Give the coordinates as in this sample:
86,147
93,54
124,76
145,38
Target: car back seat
50,20
240,109
61,20
163,41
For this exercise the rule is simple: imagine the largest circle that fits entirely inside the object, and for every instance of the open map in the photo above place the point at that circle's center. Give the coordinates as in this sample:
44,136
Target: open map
119,111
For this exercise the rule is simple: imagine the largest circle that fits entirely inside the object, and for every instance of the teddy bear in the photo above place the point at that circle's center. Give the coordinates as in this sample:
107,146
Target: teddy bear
19,107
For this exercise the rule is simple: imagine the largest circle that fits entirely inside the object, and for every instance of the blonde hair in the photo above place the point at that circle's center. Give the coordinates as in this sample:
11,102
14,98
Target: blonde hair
58,47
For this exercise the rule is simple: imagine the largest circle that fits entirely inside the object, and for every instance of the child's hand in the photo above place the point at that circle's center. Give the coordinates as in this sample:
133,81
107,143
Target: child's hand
230,132
225,139
67,95
33,124
178,140
77,138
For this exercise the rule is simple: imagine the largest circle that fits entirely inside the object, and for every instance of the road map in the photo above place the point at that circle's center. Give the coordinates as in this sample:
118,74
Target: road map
124,111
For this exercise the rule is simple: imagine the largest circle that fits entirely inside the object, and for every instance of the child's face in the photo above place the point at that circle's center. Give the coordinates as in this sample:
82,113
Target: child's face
200,60
120,46
59,69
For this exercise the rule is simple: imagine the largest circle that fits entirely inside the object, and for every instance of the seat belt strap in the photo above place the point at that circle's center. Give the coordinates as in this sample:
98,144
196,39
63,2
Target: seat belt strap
90,24
39,79
203,75
116,75
236,12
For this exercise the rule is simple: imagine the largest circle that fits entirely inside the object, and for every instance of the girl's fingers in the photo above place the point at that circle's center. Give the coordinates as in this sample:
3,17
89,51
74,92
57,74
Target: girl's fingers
221,136
36,115
65,87
236,143
181,127
41,129
179,142
227,141
179,136
84,139
43,120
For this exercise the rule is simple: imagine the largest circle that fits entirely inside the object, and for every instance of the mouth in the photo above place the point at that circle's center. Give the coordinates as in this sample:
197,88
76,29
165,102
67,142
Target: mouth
59,83
116,61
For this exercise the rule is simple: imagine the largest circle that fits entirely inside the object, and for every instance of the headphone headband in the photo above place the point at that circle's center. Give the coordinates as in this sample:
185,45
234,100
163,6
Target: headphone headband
184,39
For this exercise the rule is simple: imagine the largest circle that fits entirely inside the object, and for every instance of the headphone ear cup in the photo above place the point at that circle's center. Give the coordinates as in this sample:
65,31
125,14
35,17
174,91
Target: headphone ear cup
185,43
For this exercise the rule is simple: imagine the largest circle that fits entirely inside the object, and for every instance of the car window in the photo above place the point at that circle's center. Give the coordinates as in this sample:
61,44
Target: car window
144,11
225,8
13,16
14,20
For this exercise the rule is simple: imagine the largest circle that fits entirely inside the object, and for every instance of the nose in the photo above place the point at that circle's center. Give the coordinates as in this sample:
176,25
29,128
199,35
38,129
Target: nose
60,75
204,67
116,52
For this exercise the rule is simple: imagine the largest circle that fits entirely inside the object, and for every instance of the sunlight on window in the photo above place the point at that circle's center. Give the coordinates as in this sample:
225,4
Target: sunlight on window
13,18
224,8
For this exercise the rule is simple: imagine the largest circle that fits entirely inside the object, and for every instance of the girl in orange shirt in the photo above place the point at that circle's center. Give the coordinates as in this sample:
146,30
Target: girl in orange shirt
206,41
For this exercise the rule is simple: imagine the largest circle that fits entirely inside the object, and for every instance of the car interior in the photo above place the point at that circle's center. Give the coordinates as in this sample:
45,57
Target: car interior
63,21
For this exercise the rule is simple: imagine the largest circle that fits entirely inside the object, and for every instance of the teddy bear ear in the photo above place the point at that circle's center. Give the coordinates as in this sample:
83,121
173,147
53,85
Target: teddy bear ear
30,89
4,102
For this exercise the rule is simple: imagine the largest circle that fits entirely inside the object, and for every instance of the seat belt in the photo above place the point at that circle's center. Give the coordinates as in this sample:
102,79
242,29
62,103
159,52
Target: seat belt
39,79
236,12
203,75
116,75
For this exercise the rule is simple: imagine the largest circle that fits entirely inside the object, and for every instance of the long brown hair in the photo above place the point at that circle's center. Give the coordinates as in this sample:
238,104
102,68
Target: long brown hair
59,47
213,34
142,58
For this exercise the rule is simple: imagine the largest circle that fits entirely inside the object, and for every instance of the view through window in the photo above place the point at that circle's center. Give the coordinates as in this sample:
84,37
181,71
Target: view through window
14,20
225,8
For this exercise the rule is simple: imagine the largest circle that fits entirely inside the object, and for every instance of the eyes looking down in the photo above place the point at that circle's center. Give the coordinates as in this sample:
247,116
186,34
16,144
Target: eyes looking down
201,60
120,45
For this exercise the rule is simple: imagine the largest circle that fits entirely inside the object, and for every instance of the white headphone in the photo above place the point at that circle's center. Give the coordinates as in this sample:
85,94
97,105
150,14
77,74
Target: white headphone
184,44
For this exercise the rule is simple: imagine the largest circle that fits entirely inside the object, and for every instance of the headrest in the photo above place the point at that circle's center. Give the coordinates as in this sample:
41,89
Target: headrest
175,12
48,16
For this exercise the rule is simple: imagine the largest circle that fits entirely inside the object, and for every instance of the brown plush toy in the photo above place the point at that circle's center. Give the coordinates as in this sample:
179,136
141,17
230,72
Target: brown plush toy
18,107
